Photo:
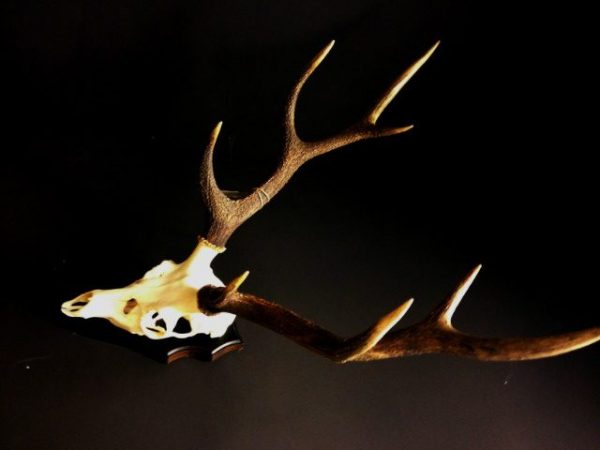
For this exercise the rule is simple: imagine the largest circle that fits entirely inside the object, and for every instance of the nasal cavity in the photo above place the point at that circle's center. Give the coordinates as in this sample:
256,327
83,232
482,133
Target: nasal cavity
131,303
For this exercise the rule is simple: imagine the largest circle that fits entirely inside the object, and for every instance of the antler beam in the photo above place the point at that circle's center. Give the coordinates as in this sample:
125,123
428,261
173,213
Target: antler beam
435,334
227,214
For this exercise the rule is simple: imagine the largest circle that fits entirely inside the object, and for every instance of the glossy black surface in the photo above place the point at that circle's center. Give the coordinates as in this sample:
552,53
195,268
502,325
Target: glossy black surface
108,106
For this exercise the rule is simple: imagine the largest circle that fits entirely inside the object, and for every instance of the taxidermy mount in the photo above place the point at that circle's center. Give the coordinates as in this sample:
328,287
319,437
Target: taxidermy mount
184,299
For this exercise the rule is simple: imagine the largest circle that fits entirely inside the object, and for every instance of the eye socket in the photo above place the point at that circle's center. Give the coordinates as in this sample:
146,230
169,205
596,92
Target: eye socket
182,326
131,303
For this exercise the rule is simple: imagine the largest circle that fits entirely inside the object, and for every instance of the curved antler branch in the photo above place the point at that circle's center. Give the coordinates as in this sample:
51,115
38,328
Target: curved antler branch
292,138
227,213
435,334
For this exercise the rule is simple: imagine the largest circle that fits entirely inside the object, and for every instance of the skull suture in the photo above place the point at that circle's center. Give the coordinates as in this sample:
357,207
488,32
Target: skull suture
162,304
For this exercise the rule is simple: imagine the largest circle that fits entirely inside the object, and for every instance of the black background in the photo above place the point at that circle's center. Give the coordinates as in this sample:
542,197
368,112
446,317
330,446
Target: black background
107,108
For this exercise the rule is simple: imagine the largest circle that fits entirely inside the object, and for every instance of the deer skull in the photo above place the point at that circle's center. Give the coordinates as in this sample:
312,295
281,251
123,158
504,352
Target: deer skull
163,303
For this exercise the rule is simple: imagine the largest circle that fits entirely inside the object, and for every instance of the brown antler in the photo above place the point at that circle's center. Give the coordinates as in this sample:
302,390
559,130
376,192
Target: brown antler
228,213
435,334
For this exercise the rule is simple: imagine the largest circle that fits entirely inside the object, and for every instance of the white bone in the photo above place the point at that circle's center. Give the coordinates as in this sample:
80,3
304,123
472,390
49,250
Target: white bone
165,294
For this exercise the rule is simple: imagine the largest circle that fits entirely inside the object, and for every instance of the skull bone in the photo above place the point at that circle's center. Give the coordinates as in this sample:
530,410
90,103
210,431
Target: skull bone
163,303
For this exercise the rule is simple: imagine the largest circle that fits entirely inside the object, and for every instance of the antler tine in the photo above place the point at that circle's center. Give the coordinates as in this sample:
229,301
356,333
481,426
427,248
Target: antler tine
398,84
366,128
214,196
442,315
290,110
364,342
435,334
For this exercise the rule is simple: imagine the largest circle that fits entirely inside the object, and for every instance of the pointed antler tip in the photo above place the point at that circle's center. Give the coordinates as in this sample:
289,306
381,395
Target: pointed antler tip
235,284
431,50
239,280
427,55
397,86
475,271
215,132
464,286
392,318
443,316
374,334
326,50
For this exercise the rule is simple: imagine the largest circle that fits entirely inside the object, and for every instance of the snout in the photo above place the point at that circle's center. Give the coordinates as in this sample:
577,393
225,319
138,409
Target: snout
73,308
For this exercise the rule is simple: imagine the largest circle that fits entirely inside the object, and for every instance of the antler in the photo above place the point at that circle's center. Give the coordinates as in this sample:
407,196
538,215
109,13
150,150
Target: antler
227,213
435,334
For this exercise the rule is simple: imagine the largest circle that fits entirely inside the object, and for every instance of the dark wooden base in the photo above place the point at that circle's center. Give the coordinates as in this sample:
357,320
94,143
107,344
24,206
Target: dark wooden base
200,347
